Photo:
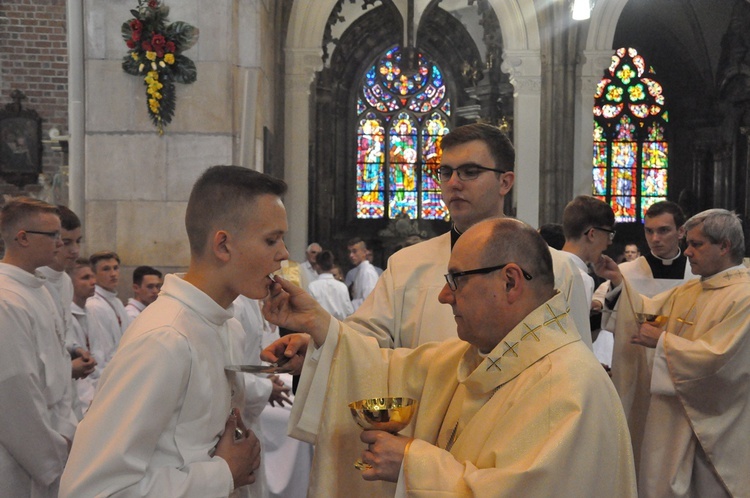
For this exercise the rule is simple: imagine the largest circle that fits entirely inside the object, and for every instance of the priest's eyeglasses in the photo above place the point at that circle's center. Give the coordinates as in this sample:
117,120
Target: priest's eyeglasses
468,172
451,277
608,230
53,235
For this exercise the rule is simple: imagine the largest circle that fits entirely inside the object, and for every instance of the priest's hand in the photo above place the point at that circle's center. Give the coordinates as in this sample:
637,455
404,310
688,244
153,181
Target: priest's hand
385,453
290,307
240,448
608,269
289,351
648,335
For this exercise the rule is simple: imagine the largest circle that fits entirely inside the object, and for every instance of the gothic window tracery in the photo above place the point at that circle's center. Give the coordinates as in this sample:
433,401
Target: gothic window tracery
631,153
401,114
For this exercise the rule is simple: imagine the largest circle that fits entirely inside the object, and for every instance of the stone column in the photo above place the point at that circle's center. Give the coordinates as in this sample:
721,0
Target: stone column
524,67
301,65
592,68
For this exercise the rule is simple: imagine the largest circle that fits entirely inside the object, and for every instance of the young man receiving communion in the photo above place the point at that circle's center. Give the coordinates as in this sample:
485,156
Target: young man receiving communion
516,406
158,424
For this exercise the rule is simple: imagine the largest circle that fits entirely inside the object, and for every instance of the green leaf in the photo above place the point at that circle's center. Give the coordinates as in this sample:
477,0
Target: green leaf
182,34
126,31
183,70
130,66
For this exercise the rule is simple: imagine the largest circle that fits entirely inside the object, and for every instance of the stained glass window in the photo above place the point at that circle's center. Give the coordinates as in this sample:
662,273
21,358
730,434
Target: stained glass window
630,149
401,115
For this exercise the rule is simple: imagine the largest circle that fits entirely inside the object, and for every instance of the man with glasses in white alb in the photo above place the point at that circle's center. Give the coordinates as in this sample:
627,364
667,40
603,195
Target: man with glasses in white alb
476,174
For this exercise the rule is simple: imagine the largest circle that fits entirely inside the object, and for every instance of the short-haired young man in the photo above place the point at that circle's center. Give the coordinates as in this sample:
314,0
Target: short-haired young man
164,421
61,289
589,227
147,282
37,421
476,174
365,276
663,267
84,284
107,317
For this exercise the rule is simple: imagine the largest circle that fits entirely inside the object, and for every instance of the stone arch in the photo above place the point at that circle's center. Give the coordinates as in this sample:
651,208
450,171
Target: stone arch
303,53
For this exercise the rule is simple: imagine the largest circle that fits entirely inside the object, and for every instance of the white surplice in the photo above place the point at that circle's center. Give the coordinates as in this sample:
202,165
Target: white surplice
162,404
35,387
108,320
332,295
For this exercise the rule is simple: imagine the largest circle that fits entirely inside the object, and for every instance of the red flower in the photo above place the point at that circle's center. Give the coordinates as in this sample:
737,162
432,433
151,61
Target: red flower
159,52
147,46
130,44
152,4
136,25
170,47
158,41
136,36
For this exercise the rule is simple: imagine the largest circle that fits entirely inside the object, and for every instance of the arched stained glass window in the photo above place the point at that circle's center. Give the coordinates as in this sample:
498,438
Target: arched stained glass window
401,116
630,149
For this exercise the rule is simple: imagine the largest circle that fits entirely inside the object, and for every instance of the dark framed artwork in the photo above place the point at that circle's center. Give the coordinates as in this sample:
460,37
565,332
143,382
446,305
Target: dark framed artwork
20,143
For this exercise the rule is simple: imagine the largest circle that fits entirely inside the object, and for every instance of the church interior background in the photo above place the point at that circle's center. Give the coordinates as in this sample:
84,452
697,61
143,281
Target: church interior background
346,100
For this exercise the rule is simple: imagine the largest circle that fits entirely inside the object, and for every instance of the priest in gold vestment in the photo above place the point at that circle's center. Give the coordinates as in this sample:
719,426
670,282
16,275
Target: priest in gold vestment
517,406
695,441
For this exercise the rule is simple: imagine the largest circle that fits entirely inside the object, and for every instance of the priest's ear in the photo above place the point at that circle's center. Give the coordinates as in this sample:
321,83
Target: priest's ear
681,233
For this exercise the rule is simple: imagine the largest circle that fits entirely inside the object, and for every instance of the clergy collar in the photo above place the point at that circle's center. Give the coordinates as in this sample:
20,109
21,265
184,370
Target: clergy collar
667,262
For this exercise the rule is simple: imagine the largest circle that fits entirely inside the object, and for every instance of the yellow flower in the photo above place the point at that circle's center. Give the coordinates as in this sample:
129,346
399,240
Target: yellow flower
161,64
169,58
153,104
134,56
151,56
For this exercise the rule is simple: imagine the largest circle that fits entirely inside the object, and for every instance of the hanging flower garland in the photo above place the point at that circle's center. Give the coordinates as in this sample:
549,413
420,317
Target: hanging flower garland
156,55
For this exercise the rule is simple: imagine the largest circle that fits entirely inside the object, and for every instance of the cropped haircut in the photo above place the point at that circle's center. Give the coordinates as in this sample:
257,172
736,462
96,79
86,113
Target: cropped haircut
325,260
356,240
79,263
17,210
498,143
513,241
583,213
142,271
721,225
68,219
102,256
222,198
667,207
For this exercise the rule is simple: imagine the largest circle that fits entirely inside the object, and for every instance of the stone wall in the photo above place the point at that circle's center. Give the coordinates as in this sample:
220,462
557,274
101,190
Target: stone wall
137,183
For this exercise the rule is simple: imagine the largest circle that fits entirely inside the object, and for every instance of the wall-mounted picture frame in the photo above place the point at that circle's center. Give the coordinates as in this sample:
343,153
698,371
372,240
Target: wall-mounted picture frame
20,143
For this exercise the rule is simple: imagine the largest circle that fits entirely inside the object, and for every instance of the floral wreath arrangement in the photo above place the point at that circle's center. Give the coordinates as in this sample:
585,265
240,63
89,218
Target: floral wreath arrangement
156,55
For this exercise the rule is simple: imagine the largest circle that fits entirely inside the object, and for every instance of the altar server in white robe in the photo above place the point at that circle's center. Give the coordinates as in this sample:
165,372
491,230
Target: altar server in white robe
160,422
515,406
695,438
331,294
476,174
660,269
37,422
60,287
84,282
107,315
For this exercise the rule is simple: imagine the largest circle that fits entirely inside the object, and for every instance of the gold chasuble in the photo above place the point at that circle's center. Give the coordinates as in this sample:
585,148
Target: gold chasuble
695,441
535,417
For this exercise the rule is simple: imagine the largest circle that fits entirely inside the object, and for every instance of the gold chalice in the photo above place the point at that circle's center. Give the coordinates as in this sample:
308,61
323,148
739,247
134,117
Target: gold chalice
656,320
382,414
